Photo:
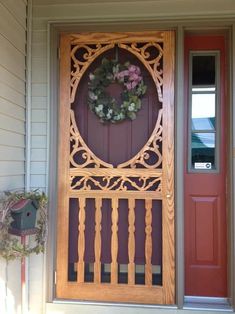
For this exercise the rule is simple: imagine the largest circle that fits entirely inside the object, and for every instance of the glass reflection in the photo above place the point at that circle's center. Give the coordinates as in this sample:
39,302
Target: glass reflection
203,111
203,105
203,148
203,124
203,140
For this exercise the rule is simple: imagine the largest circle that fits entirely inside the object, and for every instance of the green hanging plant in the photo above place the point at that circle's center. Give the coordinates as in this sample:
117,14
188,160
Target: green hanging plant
10,246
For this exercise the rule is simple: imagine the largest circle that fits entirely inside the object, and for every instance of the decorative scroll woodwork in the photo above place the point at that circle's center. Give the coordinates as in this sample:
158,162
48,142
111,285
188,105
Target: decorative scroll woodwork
148,176
150,149
151,63
92,176
137,45
81,151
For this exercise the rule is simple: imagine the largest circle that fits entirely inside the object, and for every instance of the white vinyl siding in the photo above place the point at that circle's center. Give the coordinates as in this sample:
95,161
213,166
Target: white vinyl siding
39,112
12,93
12,129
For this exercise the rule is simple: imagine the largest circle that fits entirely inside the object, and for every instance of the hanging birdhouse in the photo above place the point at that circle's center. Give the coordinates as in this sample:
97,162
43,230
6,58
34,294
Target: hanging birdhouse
24,214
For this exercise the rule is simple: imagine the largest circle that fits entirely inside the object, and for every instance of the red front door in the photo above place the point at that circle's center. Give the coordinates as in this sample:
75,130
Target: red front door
205,167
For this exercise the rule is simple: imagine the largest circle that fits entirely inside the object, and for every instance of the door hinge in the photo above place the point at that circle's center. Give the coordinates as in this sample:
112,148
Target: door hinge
58,53
55,277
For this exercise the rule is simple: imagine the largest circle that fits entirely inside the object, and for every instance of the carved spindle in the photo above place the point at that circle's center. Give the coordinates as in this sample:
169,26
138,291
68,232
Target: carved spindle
98,219
81,240
131,242
148,242
114,242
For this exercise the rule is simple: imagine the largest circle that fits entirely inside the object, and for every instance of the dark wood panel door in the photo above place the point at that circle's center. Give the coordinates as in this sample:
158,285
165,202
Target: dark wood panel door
205,167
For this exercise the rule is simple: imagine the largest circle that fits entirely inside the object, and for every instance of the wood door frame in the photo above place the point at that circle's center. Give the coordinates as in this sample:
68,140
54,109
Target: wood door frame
54,30
164,294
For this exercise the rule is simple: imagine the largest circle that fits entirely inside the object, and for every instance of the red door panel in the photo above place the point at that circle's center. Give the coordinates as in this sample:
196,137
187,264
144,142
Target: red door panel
205,196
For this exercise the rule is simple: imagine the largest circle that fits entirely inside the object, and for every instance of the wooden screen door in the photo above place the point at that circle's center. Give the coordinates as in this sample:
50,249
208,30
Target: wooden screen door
115,235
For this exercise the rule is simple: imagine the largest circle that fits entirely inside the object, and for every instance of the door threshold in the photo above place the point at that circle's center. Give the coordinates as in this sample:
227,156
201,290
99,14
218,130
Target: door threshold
207,303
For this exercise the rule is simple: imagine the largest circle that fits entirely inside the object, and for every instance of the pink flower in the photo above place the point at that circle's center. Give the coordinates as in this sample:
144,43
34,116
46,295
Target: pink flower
124,73
134,69
134,77
134,84
128,86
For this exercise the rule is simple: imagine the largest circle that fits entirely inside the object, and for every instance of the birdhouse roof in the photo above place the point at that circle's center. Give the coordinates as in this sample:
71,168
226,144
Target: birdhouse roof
21,204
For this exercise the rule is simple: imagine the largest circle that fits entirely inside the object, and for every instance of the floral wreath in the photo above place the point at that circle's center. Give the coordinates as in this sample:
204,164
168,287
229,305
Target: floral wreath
104,105
11,247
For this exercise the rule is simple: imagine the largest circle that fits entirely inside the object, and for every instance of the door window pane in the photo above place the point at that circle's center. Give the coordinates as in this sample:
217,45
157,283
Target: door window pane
203,150
203,111
203,67
203,105
203,124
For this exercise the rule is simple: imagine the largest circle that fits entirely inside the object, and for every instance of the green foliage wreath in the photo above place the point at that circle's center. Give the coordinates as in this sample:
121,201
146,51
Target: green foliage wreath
10,246
104,105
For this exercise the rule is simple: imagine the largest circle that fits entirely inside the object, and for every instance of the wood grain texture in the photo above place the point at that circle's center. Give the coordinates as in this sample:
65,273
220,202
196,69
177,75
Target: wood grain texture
114,242
63,168
81,239
87,177
168,171
112,293
98,219
112,194
115,38
131,242
148,242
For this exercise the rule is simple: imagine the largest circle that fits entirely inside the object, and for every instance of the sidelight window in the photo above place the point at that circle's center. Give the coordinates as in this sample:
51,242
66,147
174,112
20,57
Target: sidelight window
203,155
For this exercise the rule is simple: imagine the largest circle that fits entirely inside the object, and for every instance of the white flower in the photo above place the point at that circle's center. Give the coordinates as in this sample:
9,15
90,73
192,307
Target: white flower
92,96
131,107
99,108
117,117
91,76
